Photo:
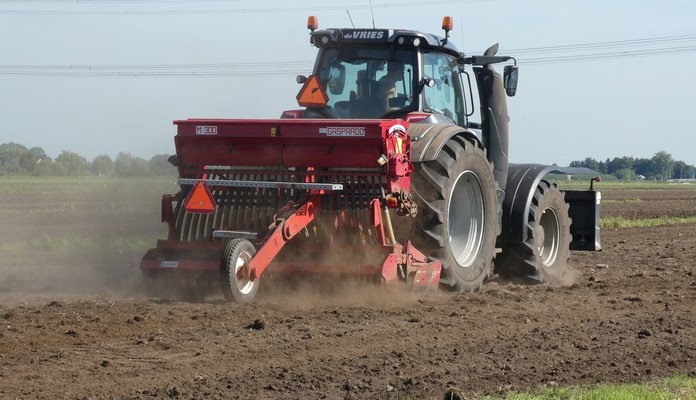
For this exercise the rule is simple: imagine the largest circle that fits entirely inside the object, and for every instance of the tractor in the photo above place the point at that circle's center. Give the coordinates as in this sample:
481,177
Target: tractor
382,173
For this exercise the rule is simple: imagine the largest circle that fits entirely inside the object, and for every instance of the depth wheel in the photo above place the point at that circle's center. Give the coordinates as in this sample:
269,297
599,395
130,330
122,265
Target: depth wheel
457,204
544,255
234,274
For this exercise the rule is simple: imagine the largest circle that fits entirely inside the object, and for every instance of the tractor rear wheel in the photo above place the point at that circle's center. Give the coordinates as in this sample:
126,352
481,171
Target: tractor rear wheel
544,255
234,274
457,209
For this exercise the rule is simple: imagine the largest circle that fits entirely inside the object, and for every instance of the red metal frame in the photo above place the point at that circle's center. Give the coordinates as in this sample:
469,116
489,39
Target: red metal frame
300,143
283,232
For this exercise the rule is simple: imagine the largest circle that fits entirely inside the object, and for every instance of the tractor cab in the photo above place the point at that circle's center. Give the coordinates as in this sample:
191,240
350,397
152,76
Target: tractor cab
384,74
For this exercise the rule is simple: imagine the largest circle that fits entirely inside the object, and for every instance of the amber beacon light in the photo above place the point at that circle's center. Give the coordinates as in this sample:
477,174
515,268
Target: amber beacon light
312,23
447,23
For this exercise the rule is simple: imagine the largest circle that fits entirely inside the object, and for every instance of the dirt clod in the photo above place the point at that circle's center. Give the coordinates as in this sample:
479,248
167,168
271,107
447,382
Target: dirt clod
644,333
257,325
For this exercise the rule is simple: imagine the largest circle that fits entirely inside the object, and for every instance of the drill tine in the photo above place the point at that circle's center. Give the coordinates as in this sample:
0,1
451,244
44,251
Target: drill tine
350,206
361,210
234,205
263,205
221,199
371,193
254,204
229,195
180,217
241,216
210,218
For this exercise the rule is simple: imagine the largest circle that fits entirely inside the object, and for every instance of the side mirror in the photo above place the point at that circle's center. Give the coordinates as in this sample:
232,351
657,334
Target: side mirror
510,79
429,82
300,79
425,82
337,79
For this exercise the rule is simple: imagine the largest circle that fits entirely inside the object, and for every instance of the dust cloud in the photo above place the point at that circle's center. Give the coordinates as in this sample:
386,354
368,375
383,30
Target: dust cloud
75,237
568,278
313,292
87,238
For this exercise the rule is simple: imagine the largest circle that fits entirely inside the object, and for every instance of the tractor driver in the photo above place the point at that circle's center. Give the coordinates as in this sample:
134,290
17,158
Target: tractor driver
387,83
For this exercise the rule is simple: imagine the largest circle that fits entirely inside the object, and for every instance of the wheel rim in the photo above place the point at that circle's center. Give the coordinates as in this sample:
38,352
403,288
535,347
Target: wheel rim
466,211
549,232
244,284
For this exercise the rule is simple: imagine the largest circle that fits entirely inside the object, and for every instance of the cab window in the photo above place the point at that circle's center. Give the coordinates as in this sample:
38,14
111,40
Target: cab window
445,96
366,82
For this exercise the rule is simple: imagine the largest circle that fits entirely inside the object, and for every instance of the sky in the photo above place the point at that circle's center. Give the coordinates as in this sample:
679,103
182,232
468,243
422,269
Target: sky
598,79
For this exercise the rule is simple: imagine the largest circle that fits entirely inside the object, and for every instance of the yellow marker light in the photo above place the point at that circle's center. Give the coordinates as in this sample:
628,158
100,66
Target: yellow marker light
312,23
447,23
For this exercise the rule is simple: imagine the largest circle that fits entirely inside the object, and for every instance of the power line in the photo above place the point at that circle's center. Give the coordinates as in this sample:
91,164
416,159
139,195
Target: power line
160,70
607,56
596,51
612,44
579,53
222,11
631,48
85,2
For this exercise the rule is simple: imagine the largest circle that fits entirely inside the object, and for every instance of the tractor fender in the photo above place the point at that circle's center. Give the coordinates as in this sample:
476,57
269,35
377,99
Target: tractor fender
429,139
521,184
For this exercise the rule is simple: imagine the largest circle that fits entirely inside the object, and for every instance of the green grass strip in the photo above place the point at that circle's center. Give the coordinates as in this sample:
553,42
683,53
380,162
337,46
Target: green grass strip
622,201
29,185
676,388
607,185
70,242
623,222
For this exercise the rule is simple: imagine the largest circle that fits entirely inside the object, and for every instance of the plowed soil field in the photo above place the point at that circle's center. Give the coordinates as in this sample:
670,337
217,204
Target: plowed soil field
75,323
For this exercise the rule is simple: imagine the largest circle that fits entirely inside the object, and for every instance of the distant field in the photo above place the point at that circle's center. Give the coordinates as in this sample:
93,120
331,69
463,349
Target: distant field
96,184
87,219
614,184
92,215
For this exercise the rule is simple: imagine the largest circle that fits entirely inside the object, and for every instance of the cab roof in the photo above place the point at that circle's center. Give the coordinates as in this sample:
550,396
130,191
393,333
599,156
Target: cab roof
399,37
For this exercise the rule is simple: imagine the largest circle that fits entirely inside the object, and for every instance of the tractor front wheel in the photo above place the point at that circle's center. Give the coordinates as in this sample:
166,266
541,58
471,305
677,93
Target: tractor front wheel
457,204
234,274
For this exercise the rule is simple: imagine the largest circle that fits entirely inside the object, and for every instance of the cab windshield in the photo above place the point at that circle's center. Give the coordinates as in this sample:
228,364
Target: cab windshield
364,82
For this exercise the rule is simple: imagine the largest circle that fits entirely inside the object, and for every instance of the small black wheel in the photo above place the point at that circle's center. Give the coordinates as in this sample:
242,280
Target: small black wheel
234,274
544,255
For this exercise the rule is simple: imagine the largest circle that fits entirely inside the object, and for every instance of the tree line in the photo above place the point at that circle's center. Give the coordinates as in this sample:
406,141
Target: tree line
19,160
660,167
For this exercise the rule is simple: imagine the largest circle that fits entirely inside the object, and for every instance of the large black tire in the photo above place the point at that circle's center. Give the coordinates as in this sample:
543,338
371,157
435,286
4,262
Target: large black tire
544,255
457,213
236,286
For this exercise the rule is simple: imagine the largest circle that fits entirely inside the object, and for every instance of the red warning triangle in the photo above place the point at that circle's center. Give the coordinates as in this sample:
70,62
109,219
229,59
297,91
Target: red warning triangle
312,93
200,200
